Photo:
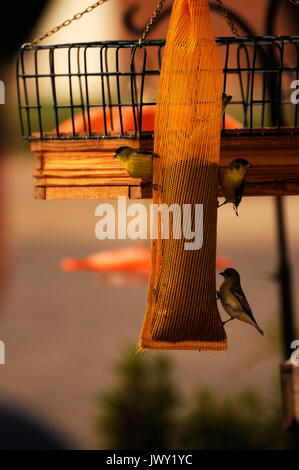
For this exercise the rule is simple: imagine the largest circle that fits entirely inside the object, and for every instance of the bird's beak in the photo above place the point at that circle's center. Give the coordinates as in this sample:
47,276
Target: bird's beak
248,165
115,155
221,274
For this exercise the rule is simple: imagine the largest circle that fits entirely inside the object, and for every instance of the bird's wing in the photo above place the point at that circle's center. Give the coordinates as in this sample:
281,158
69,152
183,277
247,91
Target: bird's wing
140,165
239,193
237,291
145,152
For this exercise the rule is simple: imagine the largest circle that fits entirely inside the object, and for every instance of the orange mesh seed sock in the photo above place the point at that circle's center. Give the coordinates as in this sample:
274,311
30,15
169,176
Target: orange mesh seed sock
182,311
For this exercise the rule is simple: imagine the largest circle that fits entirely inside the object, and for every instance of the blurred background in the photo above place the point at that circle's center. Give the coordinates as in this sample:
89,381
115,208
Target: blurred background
71,371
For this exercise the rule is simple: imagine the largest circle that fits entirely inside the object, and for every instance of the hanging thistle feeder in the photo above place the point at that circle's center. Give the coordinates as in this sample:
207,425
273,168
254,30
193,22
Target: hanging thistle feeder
182,311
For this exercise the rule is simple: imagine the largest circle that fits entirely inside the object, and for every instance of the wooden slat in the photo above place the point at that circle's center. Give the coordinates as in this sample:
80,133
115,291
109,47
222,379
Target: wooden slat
270,189
80,164
103,192
265,189
143,192
92,145
40,193
84,182
254,175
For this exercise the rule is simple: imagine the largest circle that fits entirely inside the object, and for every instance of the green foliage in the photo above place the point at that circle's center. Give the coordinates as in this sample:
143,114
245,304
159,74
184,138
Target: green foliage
244,421
142,412
139,411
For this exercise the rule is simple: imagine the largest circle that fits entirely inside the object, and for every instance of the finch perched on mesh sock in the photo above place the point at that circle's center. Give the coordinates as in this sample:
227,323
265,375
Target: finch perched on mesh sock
233,299
232,182
138,163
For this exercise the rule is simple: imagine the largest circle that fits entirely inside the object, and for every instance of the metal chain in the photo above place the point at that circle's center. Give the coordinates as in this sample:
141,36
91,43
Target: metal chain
148,27
152,21
228,17
66,23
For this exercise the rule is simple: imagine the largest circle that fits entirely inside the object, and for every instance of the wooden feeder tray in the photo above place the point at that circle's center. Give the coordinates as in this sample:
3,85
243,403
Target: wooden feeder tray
85,169
56,85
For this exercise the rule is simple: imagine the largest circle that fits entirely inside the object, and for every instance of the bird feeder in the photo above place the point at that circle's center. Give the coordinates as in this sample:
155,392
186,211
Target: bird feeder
79,102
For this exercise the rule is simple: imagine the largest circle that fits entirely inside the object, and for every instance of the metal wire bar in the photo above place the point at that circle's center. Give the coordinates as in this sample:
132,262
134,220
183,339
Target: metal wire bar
125,86
71,89
37,93
80,77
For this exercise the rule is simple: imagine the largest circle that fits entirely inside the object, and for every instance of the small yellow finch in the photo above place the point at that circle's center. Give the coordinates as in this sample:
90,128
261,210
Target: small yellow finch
138,163
233,299
232,182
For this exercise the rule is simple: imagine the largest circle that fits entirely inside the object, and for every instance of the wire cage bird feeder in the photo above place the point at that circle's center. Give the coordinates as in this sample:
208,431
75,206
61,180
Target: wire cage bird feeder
79,102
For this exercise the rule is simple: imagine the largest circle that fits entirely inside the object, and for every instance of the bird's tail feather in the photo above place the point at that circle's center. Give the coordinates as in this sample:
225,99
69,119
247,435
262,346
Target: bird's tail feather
236,211
259,330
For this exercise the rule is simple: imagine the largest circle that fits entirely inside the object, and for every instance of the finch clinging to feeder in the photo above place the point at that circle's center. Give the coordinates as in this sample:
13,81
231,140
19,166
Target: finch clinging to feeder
138,163
232,182
233,299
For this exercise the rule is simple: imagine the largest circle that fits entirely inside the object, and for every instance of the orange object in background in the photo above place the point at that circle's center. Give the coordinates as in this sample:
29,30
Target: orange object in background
128,260
122,267
232,123
97,122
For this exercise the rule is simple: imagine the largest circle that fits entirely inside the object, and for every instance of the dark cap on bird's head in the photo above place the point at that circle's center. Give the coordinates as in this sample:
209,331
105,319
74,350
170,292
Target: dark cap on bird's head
240,163
230,274
118,151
